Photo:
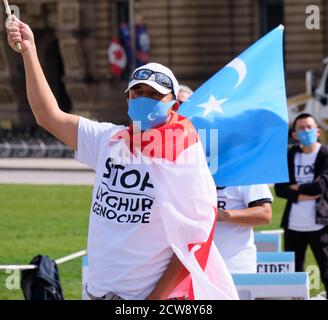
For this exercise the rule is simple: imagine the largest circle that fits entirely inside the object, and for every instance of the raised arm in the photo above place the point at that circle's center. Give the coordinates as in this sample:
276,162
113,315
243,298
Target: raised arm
42,101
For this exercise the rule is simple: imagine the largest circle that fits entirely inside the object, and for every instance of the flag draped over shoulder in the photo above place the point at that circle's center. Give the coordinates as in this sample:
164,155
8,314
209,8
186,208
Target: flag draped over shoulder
186,197
242,113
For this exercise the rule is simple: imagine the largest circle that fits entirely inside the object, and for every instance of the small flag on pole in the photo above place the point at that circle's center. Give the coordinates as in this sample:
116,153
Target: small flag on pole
117,58
8,12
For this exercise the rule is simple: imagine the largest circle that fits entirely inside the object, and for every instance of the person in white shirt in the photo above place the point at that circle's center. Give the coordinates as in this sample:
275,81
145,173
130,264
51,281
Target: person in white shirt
239,210
184,93
139,186
305,218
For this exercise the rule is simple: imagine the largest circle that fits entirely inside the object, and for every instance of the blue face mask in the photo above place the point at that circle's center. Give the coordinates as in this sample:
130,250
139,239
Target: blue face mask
149,112
307,137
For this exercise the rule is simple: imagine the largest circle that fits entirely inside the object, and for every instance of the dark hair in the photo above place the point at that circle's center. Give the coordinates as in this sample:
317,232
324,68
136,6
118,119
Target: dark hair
303,116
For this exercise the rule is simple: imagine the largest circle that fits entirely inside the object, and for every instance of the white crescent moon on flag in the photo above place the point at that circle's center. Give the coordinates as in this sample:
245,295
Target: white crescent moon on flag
240,66
152,116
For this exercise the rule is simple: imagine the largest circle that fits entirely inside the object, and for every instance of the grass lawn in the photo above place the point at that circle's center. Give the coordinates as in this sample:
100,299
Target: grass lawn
53,221
49,220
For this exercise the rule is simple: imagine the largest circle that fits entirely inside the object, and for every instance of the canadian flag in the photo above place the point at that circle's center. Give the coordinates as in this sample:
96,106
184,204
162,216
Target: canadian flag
186,196
117,57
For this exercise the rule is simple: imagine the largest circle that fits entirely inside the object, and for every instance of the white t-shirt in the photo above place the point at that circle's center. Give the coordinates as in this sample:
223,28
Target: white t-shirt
302,214
234,241
128,249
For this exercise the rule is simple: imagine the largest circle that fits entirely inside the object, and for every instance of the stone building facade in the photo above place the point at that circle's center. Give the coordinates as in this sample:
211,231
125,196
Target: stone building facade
195,38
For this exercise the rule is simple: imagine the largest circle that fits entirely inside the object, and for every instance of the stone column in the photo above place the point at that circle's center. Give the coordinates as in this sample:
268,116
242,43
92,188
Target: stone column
72,36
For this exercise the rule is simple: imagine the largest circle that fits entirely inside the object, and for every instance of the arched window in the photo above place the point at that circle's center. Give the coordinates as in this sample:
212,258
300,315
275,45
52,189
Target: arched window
52,64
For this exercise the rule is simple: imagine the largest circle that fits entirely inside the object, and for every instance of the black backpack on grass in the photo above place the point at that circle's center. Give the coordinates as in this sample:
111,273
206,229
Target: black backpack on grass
42,283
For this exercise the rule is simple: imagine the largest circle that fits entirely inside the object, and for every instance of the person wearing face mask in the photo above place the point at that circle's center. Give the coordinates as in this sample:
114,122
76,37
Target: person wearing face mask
152,212
152,93
184,93
305,218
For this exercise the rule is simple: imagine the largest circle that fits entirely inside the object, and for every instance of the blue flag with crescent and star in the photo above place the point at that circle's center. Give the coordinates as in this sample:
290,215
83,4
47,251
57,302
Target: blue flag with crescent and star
241,116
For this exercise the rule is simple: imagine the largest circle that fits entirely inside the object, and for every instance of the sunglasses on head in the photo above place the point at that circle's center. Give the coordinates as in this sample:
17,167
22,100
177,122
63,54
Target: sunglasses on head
160,78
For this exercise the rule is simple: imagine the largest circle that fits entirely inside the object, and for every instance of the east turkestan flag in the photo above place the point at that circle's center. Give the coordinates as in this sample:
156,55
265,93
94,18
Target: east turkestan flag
241,116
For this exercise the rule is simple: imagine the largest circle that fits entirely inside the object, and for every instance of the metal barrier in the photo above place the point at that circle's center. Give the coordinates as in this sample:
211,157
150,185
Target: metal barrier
32,266
32,146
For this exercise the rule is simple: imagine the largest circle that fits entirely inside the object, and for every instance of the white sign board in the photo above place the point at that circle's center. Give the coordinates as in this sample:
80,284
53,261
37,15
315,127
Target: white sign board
268,241
275,262
272,286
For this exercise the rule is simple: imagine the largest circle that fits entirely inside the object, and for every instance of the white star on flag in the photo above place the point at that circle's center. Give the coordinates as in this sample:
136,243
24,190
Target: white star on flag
212,105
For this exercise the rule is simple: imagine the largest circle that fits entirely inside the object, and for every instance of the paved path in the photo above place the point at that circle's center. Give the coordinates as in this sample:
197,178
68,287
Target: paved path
41,164
45,171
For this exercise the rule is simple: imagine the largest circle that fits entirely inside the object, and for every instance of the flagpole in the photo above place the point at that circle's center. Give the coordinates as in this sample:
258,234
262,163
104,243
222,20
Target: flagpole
132,33
8,12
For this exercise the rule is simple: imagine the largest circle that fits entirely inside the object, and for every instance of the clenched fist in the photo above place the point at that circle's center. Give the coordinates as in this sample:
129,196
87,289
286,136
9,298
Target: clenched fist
19,32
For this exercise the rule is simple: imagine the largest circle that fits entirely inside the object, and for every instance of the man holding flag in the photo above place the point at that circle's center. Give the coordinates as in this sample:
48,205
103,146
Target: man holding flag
153,210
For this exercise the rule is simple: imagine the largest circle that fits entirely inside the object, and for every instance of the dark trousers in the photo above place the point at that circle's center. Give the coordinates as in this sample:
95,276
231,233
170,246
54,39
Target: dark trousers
318,240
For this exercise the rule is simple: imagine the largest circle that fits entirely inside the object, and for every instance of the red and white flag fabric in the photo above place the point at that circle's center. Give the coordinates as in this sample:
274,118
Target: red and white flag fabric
117,57
186,196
